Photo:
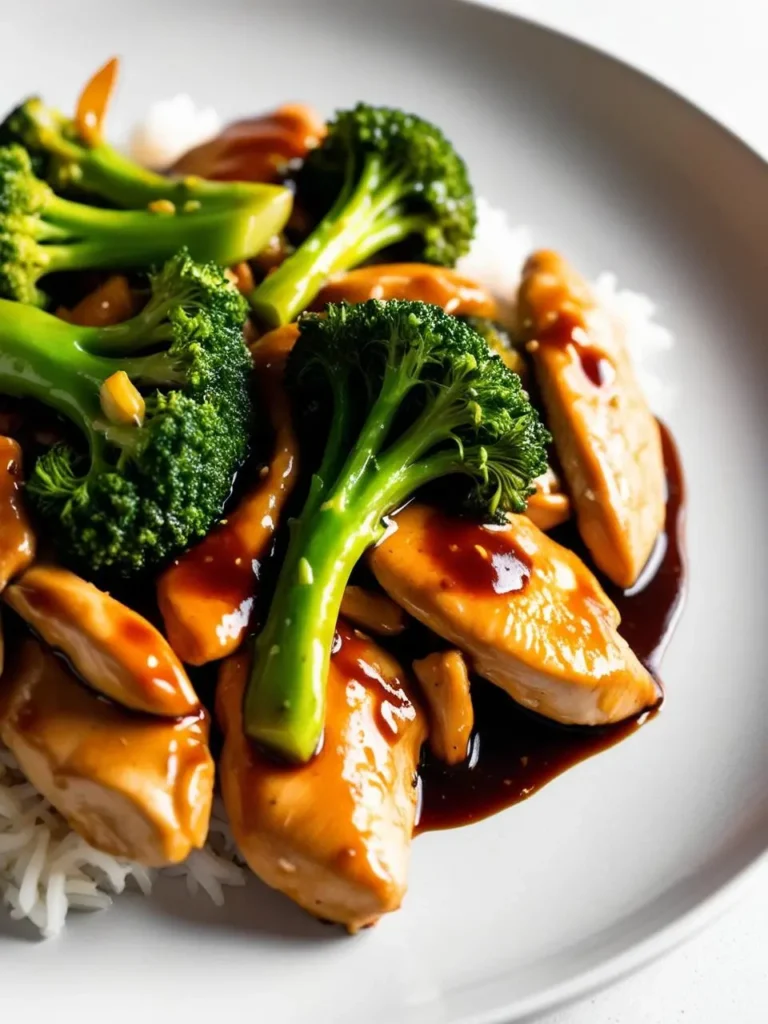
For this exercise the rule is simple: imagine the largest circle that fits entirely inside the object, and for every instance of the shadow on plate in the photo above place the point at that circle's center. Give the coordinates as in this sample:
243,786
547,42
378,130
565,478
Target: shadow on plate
253,908
15,931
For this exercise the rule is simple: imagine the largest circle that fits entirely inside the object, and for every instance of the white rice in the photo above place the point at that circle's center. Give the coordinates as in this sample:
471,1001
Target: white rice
46,869
496,260
170,128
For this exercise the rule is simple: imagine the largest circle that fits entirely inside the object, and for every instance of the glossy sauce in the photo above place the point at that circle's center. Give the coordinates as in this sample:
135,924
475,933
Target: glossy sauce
513,752
569,329
17,541
392,706
417,282
257,148
476,558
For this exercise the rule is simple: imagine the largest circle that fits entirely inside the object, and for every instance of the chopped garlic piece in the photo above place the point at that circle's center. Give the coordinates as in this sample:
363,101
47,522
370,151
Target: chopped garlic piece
121,402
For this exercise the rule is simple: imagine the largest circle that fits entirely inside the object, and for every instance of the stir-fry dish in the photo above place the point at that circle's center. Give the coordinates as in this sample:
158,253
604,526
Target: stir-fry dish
312,534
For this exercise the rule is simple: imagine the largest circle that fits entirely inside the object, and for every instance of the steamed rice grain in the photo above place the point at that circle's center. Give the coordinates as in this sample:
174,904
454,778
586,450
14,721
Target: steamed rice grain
46,869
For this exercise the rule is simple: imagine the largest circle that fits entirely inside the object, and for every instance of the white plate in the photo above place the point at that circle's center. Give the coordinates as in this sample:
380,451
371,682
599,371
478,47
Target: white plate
607,865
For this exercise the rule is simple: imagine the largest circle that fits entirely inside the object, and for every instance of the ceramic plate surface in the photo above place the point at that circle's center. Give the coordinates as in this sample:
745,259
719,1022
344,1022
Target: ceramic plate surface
615,860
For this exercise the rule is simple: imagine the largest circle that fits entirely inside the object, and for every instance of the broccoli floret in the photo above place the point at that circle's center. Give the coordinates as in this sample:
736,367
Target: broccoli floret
380,177
411,395
499,341
69,162
145,490
41,233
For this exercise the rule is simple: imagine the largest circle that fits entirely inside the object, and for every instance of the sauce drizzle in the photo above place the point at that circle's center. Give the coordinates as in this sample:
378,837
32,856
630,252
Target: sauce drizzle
477,558
514,752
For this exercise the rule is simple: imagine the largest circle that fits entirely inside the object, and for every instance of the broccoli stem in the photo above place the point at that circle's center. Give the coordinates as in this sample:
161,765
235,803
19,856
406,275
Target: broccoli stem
89,237
285,702
287,708
41,358
105,171
363,220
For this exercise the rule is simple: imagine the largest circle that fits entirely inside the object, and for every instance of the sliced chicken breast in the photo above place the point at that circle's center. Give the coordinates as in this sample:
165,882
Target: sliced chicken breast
529,614
334,834
17,541
444,681
131,785
417,282
606,436
111,646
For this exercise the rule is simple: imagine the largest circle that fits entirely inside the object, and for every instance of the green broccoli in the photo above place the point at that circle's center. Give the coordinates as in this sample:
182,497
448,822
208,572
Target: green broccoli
41,233
68,162
411,395
145,489
380,177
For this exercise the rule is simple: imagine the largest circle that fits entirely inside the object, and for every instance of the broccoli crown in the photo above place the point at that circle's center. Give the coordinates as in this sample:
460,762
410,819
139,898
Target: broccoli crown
22,197
149,495
456,407
142,493
48,136
433,183
380,178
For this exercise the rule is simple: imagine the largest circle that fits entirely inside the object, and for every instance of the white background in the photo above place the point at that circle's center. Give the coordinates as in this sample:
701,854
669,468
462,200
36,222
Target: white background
715,54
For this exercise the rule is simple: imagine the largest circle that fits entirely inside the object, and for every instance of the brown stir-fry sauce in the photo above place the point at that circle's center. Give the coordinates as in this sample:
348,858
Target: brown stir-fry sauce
514,753
417,282
257,148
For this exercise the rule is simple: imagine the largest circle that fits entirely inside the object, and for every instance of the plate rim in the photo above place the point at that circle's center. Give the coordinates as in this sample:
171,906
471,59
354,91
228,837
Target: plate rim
724,895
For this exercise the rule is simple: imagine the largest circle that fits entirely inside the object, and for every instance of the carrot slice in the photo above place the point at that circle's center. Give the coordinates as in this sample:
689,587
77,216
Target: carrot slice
206,597
110,303
94,101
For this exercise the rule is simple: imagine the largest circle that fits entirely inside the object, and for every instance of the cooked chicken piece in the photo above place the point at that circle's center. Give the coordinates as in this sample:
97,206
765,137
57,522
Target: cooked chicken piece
374,612
131,785
206,597
548,507
607,439
445,685
257,148
111,646
529,614
548,510
17,541
418,282
334,834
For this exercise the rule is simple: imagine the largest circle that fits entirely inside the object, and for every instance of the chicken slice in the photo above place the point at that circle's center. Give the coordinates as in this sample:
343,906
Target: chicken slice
548,507
17,541
206,597
111,646
375,612
419,282
444,680
529,614
334,834
131,785
607,439
255,148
